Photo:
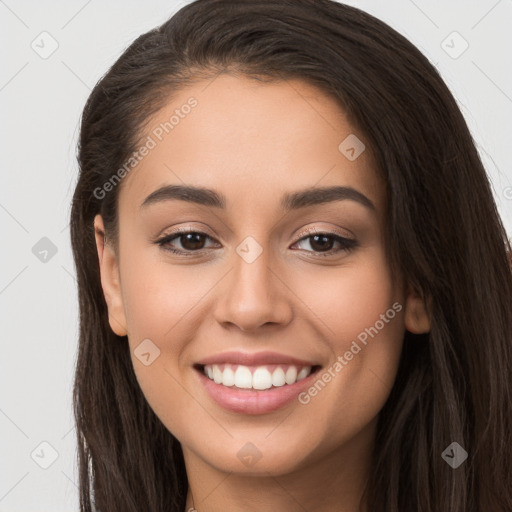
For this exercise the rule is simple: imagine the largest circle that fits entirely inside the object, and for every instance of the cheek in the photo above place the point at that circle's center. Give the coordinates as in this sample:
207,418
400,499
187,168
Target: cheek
157,299
360,312
162,303
158,296
350,298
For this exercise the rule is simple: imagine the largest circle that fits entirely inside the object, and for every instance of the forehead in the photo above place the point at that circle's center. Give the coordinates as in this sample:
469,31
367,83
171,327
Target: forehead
252,141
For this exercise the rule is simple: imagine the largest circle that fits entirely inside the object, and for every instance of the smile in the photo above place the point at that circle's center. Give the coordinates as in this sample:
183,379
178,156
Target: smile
254,390
256,377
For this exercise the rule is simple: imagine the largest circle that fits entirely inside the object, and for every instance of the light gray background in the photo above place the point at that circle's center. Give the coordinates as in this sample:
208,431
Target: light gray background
40,105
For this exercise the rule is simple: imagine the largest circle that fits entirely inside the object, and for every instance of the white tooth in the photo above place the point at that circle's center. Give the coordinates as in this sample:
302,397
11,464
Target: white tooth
278,377
261,378
291,375
243,377
228,377
217,374
303,373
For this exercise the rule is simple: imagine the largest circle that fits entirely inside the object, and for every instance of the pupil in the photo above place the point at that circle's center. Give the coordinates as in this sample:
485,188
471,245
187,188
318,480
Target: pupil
193,241
323,239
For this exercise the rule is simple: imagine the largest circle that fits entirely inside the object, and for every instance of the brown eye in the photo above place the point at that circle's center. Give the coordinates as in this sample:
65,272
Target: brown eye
322,244
190,242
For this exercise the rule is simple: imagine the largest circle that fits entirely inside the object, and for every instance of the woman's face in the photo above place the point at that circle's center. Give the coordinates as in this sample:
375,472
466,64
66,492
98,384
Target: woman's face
296,283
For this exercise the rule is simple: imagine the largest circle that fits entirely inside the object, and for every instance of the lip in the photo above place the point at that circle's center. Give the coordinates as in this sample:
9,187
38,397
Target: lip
255,359
246,401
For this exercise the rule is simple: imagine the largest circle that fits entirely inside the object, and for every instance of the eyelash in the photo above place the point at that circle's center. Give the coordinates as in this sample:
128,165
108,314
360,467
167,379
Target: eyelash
347,244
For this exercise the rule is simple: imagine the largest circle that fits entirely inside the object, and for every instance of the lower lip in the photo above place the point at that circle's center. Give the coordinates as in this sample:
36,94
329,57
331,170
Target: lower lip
253,401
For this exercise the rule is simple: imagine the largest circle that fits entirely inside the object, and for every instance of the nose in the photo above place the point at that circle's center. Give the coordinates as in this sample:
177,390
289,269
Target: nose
254,294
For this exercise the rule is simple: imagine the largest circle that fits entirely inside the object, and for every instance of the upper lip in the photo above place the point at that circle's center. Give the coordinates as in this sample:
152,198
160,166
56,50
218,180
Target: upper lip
254,359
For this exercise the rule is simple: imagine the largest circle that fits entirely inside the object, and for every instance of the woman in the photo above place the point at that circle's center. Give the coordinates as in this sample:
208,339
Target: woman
231,160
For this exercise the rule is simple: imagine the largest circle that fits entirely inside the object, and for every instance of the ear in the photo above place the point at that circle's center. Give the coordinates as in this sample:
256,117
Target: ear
110,282
417,316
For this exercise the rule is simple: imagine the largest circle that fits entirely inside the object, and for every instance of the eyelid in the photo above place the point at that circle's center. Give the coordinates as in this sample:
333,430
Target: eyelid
327,231
185,229
175,234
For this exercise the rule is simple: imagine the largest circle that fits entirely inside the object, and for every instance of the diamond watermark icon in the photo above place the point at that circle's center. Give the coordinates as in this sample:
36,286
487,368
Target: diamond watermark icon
249,454
249,249
146,352
45,45
44,455
44,250
351,147
454,455
454,45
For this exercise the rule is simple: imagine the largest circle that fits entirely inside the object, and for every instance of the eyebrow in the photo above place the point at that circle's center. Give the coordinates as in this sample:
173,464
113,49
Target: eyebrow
290,201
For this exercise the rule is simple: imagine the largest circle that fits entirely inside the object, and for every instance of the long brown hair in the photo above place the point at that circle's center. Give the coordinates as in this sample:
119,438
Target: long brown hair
444,236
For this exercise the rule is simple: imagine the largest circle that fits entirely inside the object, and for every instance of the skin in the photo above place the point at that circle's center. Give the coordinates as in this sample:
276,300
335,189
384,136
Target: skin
253,142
